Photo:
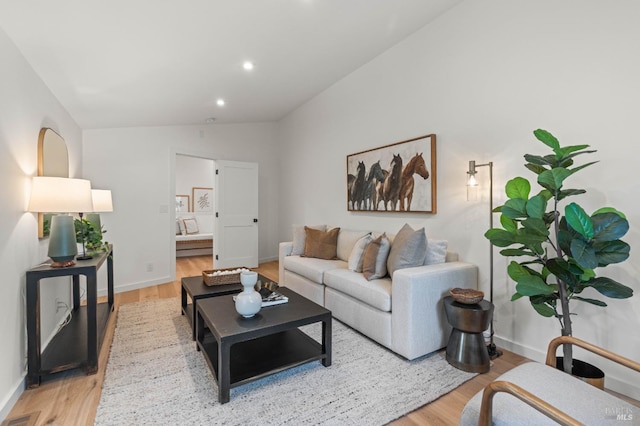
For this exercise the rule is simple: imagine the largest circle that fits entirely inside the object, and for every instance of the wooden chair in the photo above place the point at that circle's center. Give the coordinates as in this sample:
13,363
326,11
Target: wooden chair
546,395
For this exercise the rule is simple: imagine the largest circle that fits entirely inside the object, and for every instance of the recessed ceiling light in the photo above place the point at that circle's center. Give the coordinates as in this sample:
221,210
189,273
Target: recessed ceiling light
220,102
247,65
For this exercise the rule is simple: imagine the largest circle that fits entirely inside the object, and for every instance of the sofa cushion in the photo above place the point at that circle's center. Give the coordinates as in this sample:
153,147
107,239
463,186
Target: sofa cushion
356,258
436,251
299,237
191,225
375,293
374,265
347,239
311,268
407,250
321,244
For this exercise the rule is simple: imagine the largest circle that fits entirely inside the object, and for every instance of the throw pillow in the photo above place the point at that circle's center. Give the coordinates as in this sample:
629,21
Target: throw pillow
436,251
191,226
408,249
321,244
299,235
356,258
178,231
346,241
374,264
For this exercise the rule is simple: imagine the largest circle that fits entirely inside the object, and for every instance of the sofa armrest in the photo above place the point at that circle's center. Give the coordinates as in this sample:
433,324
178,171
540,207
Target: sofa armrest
285,249
418,322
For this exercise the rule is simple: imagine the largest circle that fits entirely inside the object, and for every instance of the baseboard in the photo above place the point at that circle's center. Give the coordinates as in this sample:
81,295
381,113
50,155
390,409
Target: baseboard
268,259
613,383
10,400
136,286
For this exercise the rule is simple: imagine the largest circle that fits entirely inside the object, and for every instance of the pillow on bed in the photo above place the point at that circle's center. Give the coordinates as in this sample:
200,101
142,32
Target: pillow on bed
191,226
178,230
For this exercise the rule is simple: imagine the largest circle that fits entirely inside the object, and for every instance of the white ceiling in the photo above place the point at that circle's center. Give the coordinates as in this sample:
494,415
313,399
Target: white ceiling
122,63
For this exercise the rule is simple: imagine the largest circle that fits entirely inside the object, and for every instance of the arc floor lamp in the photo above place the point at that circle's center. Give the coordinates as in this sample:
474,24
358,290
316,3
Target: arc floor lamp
471,181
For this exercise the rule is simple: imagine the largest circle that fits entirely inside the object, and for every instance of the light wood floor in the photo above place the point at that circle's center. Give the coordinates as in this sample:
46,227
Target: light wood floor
72,399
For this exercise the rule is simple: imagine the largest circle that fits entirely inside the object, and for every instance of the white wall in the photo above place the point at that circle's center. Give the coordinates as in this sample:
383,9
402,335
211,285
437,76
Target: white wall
135,164
483,77
26,105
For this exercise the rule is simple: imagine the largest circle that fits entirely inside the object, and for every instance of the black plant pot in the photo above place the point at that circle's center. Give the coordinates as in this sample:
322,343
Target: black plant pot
584,371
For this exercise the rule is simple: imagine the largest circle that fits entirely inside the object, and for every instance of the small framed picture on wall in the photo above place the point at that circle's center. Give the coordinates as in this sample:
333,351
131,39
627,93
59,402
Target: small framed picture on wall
182,204
202,200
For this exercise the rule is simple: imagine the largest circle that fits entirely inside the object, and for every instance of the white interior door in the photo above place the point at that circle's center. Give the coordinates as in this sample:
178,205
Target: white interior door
236,222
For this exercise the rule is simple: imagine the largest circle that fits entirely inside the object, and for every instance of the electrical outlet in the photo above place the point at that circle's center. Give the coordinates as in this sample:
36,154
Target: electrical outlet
150,267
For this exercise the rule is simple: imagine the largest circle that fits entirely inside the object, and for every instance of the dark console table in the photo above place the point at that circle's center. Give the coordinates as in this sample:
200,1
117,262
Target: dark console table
76,345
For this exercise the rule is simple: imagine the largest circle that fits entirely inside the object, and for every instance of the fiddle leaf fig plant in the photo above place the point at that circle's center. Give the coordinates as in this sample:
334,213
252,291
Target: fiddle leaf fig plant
558,248
92,235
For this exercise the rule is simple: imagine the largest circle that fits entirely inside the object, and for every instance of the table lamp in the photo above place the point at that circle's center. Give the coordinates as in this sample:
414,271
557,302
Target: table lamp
61,195
102,203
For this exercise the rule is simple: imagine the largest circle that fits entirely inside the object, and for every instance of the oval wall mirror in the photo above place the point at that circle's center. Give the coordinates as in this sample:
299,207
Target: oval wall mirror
53,160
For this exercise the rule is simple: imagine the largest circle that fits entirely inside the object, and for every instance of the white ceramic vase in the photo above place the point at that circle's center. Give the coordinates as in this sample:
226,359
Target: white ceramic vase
249,302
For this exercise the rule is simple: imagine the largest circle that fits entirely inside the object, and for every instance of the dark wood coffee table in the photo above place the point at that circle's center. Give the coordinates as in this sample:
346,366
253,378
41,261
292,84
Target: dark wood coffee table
241,350
197,289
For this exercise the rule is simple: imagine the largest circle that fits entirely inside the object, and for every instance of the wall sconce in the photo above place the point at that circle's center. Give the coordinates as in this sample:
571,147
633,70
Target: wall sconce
472,182
61,195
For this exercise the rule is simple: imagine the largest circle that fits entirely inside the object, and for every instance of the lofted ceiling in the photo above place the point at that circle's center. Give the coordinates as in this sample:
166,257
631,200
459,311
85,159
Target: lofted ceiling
122,63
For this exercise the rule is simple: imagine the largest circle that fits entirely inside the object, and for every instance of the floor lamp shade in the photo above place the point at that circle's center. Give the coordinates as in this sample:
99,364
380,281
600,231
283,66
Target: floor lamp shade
61,195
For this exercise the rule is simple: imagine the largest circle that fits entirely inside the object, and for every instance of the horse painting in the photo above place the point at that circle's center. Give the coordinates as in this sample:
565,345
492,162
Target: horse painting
393,183
357,189
401,176
415,166
374,177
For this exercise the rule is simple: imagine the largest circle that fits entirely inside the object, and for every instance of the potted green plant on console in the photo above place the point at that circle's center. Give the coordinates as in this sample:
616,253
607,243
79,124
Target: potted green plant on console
92,235
560,247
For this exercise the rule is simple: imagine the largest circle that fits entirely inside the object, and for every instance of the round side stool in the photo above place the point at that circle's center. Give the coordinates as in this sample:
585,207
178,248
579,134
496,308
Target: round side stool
466,349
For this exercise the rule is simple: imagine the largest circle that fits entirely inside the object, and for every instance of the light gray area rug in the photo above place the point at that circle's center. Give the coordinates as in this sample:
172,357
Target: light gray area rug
156,376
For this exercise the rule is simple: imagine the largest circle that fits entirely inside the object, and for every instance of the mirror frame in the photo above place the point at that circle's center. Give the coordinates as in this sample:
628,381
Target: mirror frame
53,160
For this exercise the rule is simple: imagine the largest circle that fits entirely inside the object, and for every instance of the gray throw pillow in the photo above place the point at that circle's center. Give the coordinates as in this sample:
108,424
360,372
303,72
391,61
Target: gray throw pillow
408,249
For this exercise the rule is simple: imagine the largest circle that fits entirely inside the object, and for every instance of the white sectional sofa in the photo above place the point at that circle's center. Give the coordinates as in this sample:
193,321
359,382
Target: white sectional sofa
405,315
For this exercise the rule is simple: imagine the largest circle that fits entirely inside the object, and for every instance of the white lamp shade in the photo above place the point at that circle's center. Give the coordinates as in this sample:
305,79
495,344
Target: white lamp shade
101,200
60,195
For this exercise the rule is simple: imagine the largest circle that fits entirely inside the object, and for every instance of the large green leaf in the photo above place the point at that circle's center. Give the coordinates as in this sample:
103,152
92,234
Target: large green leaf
562,270
532,285
538,160
579,220
515,208
543,309
500,237
565,150
518,187
583,253
516,252
564,193
592,301
535,168
609,210
611,252
547,138
535,226
508,224
536,207
576,169
609,226
515,297
553,179
516,271
529,239
610,288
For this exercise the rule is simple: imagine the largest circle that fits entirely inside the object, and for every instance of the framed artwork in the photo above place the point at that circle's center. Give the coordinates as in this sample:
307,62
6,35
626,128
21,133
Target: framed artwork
202,200
400,177
182,204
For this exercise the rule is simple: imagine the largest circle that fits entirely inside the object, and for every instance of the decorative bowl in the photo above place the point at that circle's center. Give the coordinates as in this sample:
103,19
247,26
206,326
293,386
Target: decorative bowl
468,296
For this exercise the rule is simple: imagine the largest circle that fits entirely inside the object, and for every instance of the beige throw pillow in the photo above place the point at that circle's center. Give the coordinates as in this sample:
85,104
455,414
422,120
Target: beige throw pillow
321,244
347,239
356,258
374,264
191,226
408,249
